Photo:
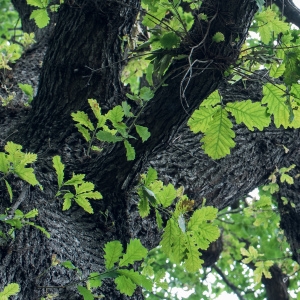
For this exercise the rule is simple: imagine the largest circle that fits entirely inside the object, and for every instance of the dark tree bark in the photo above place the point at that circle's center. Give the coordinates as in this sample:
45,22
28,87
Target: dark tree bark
84,60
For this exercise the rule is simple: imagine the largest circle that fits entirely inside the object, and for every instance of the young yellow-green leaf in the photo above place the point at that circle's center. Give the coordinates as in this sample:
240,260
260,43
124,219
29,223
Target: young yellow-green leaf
59,168
262,267
213,99
167,195
201,118
10,290
113,251
4,163
96,110
26,174
150,177
277,70
135,251
106,136
125,285
84,203
40,17
37,3
83,119
206,213
130,152
249,113
116,114
218,37
87,295
67,201
287,178
95,195
142,132
12,148
27,90
209,232
84,131
219,136
192,263
274,97
31,214
76,179
86,186
28,158
42,229
9,189
171,232
269,25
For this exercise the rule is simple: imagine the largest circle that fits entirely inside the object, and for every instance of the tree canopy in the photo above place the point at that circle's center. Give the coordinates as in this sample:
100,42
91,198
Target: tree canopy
132,133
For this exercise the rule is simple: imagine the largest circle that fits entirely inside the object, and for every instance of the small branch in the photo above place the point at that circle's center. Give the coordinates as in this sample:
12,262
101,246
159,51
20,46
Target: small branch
231,285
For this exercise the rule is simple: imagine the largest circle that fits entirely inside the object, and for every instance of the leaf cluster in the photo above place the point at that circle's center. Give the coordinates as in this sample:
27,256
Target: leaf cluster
110,127
15,162
82,190
116,264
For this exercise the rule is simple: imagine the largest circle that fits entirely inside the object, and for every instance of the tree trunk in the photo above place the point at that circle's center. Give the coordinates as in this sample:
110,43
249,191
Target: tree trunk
84,60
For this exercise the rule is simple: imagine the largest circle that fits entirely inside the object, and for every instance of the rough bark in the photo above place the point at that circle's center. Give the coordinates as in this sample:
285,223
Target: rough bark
84,60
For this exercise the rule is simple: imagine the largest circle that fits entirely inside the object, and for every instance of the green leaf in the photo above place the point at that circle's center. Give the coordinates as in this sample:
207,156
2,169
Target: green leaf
150,177
159,220
260,4
97,112
192,263
106,136
143,205
84,203
126,108
274,97
31,214
87,295
40,17
218,37
42,229
167,195
277,70
130,152
249,113
59,168
137,278
27,89
116,114
4,163
148,194
219,136
171,232
68,265
9,189
67,201
262,267
10,290
113,251
84,131
202,118
125,285
146,93
135,251
26,174
94,280
37,3
213,99
83,119
76,179
269,25
84,187
169,40
142,132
